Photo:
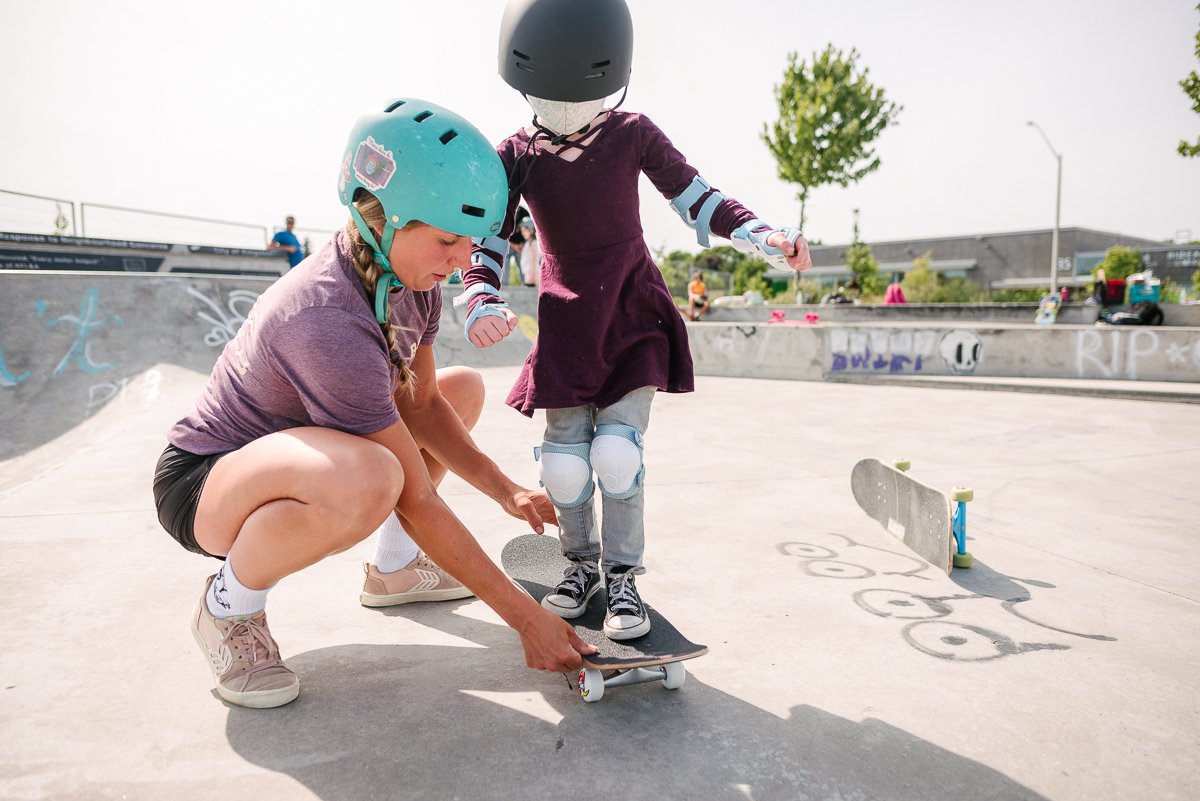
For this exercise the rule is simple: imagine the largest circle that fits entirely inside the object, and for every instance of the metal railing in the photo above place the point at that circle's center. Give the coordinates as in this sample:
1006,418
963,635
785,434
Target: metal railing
119,222
44,215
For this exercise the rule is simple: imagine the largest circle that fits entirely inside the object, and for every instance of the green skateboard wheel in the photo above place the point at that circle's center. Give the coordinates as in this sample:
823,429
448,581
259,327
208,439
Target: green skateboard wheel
963,560
963,494
901,464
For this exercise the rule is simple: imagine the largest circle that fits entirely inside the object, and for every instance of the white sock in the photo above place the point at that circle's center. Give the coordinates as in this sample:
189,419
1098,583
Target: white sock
228,597
394,549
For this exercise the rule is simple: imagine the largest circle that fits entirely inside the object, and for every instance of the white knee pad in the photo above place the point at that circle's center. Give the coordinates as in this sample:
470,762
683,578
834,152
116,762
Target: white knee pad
566,473
617,458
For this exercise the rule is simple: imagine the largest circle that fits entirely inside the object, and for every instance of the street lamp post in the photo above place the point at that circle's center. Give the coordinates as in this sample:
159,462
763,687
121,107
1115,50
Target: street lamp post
1057,210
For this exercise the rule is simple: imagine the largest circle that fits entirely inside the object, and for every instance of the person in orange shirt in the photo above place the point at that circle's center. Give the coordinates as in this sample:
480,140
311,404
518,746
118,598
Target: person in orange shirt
697,297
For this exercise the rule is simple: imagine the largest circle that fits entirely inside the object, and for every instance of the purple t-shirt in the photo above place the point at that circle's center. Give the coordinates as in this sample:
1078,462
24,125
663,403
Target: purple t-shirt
607,323
309,354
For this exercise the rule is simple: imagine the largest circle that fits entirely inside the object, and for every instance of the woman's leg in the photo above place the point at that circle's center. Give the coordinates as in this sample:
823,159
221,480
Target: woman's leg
397,573
273,507
463,388
290,499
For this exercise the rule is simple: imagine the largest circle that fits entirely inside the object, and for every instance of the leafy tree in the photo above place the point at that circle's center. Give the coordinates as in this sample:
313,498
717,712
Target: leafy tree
747,270
1191,87
863,265
675,268
1196,280
920,283
1119,263
829,117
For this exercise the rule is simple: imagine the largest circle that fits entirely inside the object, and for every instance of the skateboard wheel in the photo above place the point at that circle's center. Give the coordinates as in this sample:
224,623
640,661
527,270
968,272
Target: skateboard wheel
963,560
901,464
674,675
963,494
591,685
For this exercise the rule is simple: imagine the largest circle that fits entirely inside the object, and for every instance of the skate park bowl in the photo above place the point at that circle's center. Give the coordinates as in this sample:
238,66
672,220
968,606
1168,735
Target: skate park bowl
840,665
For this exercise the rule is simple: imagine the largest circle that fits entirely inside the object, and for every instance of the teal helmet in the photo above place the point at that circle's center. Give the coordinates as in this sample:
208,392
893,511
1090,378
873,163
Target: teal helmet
422,162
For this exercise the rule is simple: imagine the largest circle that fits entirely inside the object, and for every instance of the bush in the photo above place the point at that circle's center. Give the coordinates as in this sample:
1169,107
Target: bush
1119,263
1018,295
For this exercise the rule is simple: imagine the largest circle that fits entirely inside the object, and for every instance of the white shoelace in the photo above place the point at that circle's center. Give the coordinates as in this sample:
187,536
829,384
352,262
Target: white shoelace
621,594
575,575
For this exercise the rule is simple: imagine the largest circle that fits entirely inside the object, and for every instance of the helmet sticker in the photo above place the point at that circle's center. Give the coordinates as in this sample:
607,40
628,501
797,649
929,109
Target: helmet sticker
345,175
373,165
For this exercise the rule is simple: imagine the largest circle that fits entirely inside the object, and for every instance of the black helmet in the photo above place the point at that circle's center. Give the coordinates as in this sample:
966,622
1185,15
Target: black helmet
566,50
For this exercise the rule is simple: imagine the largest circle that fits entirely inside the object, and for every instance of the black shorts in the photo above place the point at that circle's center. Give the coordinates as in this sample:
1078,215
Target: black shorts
178,481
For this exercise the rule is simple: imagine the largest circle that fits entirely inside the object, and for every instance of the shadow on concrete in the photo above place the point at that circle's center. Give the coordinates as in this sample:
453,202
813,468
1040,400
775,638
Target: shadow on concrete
384,721
938,621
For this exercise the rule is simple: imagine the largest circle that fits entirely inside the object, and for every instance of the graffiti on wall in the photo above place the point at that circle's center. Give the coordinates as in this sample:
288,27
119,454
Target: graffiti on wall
225,320
1118,353
898,351
81,326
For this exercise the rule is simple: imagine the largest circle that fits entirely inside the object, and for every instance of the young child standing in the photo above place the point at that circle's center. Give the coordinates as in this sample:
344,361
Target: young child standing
609,334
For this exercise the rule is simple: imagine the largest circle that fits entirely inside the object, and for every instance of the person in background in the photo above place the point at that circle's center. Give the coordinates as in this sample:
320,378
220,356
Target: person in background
286,241
531,252
697,298
894,292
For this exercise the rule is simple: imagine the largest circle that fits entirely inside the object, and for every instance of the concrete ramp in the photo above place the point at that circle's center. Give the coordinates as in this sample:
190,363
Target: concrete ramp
70,343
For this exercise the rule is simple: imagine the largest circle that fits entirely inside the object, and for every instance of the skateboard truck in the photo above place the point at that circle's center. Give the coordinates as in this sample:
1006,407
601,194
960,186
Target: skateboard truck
592,681
961,496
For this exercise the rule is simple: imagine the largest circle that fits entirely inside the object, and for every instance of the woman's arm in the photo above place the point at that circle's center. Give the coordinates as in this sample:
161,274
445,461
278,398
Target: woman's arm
437,429
548,641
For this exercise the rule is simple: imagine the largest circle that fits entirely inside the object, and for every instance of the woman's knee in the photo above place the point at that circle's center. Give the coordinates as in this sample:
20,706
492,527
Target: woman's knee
463,388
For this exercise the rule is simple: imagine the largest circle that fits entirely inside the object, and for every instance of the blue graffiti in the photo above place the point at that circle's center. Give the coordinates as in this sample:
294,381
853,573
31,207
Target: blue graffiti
7,379
893,363
85,324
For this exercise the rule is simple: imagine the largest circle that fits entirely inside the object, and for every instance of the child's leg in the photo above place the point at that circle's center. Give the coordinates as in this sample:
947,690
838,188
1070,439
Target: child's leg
617,459
567,477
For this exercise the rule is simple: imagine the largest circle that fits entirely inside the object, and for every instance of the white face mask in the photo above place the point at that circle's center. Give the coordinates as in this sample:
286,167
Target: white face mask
562,117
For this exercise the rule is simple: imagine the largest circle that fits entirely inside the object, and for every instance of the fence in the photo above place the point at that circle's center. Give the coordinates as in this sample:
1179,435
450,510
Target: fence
117,222
21,212
36,214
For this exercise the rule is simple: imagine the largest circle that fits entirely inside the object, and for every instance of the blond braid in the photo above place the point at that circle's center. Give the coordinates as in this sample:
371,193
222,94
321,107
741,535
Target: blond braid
369,273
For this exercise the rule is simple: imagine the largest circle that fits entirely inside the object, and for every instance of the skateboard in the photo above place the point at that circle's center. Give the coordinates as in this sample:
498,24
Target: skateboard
916,514
536,564
1048,308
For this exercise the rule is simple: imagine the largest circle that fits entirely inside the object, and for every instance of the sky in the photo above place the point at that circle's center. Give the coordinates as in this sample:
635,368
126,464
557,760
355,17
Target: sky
240,111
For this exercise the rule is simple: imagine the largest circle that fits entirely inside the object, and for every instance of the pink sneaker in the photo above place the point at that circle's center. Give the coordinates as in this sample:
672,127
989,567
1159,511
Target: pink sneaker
420,580
244,658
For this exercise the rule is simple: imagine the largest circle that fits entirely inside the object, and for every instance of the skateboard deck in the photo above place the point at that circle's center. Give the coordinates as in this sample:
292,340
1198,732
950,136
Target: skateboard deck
1048,308
535,562
916,514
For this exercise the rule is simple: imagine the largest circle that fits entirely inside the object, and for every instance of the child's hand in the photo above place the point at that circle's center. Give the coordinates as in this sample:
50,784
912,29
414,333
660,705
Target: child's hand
491,328
797,255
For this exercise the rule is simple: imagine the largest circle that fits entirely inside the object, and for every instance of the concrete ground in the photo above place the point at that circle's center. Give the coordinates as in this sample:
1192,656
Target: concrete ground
1063,665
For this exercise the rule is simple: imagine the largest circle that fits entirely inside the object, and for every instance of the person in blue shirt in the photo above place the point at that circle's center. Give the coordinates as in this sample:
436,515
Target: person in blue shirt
287,242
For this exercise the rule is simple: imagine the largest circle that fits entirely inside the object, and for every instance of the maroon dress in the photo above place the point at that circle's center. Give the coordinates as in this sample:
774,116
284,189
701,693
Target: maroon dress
606,322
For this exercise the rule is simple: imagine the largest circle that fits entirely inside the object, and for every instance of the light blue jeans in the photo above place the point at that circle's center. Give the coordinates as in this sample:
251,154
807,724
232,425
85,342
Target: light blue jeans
622,537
